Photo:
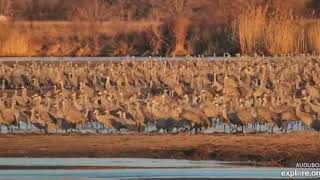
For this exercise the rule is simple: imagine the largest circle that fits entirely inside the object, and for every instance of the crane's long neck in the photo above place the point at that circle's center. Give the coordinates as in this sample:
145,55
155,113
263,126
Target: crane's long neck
224,113
3,84
32,114
24,92
64,108
298,109
13,104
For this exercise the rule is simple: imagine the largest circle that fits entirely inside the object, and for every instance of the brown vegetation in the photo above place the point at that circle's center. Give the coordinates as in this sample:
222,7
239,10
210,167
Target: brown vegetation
282,34
250,29
262,30
313,37
16,44
177,28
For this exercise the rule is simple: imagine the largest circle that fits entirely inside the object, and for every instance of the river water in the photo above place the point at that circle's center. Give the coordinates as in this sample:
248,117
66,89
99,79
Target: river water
128,168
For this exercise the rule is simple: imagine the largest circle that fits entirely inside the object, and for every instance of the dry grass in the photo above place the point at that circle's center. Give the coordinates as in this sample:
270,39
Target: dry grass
249,29
16,44
13,42
313,37
4,30
282,34
276,32
256,30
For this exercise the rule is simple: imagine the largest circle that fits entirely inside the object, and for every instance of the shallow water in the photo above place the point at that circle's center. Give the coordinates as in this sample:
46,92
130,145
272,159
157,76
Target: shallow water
219,128
101,59
128,168
114,162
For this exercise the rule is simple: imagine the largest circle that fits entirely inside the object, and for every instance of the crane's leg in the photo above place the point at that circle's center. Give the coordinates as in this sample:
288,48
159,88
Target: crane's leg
260,127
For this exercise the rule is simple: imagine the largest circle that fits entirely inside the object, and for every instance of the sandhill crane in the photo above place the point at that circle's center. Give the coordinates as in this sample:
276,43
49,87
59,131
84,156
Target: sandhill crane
265,115
105,119
316,124
9,116
312,91
36,121
197,118
232,118
23,99
73,116
211,111
216,84
285,110
60,122
43,113
85,89
315,108
306,118
247,115
230,81
64,91
139,117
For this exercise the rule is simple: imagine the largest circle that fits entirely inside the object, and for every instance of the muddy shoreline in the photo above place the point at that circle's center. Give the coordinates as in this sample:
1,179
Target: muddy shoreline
256,149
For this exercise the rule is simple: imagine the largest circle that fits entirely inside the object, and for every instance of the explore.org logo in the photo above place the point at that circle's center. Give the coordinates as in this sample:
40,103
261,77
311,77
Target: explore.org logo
301,170
308,165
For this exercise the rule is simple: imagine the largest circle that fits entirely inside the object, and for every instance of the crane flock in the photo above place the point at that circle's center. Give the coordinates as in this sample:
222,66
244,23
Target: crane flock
248,95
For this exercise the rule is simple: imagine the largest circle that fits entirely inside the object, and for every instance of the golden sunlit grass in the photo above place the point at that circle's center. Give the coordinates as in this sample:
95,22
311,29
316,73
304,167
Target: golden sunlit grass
16,44
276,32
313,37
4,30
249,29
282,34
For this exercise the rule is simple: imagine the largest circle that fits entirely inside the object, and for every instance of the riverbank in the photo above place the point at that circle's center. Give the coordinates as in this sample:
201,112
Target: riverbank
260,149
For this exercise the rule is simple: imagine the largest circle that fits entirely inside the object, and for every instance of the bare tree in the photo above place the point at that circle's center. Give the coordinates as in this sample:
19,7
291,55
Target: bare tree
178,13
92,11
6,8
31,11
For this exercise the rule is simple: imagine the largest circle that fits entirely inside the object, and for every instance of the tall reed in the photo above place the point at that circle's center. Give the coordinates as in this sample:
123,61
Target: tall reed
282,34
4,30
313,36
16,44
249,29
